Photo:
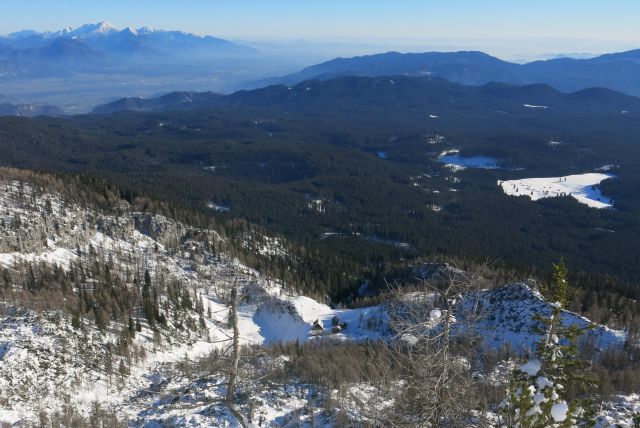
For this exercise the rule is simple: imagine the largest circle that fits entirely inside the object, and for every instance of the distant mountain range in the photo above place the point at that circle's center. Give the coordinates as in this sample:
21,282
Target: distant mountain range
384,92
29,110
173,101
78,68
102,47
617,71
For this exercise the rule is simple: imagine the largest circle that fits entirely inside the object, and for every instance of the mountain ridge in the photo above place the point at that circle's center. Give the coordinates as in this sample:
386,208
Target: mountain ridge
406,91
29,110
617,71
99,46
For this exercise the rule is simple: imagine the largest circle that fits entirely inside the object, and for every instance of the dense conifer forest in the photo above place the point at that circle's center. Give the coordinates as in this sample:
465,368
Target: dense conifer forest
312,171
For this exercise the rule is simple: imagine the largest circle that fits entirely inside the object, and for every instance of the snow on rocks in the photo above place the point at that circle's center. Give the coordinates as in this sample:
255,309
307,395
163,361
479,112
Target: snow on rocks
265,245
47,362
581,187
620,411
505,315
437,272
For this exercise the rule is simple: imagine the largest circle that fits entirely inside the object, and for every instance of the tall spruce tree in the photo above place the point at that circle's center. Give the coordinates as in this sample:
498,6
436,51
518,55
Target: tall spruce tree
147,300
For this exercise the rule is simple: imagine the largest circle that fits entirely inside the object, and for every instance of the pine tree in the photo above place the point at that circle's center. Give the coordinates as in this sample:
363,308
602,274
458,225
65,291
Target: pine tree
108,361
147,301
6,278
75,319
131,328
122,369
536,397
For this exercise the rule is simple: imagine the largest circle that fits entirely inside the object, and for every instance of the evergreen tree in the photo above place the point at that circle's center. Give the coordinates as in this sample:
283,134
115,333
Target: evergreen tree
147,301
6,278
537,393
131,328
75,319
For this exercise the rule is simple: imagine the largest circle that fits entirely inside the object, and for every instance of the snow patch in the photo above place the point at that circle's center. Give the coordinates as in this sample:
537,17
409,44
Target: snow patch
559,411
531,368
581,187
453,160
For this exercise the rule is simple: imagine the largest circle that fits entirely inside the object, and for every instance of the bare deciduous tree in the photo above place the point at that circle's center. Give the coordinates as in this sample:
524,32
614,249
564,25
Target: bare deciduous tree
429,380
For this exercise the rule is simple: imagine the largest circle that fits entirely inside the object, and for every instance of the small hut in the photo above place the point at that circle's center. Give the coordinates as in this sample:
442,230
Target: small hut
317,328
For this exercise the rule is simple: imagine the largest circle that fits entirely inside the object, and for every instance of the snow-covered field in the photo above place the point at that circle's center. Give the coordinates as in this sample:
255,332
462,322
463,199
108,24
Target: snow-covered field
581,187
453,160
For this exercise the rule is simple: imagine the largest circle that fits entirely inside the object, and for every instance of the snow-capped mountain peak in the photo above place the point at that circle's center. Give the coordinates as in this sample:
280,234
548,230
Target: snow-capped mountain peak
87,30
130,30
111,44
146,30
100,28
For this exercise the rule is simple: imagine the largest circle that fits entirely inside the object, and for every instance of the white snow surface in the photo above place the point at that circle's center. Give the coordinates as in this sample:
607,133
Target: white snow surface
44,362
531,368
581,187
505,315
559,411
454,161
619,411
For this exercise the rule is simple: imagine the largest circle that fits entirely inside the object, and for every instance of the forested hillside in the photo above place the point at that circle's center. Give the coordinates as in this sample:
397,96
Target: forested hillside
115,313
349,171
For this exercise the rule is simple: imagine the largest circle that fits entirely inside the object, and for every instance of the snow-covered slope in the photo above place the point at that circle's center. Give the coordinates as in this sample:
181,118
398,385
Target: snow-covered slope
48,360
505,315
289,318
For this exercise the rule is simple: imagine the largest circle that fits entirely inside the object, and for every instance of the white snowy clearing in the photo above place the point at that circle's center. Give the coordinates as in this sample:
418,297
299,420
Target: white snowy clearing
453,160
581,187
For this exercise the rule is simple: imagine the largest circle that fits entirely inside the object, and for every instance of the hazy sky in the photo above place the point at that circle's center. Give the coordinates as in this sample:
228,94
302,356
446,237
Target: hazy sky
525,26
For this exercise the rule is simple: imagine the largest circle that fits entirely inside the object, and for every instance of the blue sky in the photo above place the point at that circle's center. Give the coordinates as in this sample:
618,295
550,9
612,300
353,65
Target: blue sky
568,25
